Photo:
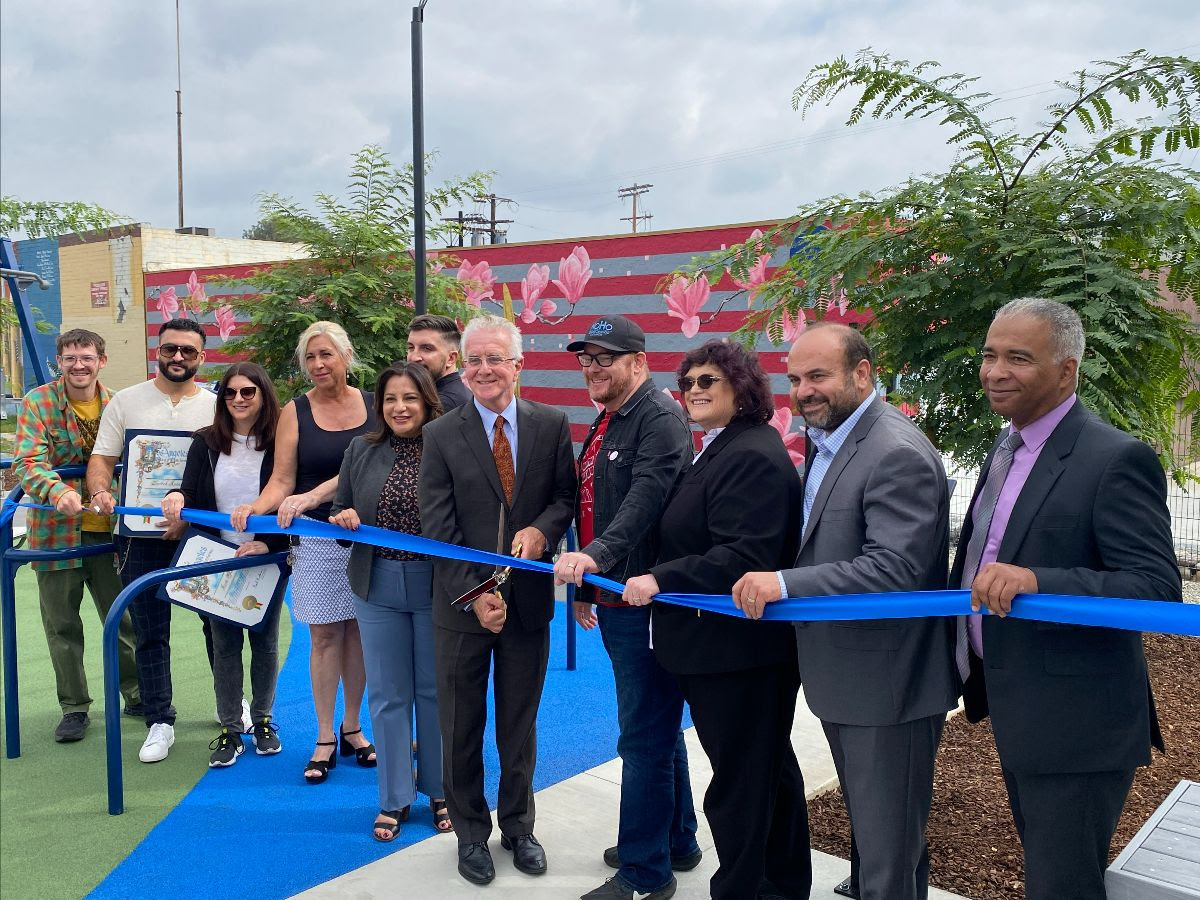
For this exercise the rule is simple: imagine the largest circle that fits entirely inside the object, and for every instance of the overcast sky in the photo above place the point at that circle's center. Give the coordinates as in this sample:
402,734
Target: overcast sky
565,101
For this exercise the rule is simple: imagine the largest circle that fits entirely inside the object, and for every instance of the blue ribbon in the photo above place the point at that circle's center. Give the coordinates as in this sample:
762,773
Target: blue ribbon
1106,612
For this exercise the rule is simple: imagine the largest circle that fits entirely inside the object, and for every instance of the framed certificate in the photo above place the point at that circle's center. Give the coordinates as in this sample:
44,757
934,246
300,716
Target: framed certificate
153,467
240,597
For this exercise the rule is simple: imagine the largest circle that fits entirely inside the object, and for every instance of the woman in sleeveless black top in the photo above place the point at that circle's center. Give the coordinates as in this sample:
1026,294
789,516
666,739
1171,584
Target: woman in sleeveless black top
314,431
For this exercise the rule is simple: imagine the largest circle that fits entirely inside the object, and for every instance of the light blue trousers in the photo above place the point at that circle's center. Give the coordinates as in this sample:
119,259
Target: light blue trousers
396,623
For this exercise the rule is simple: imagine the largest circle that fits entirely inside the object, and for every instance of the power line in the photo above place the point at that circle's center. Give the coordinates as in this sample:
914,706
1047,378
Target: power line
635,190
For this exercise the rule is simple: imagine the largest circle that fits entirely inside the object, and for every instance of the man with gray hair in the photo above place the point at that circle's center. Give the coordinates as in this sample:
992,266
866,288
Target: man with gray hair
496,469
1066,504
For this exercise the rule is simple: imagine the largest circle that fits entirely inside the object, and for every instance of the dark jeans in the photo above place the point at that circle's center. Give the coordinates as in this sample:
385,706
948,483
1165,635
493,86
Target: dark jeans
229,675
152,624
658,819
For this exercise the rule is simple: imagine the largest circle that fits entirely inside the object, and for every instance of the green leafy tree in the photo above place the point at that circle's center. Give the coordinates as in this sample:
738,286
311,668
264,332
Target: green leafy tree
360,274
35,219
1093,224
268,229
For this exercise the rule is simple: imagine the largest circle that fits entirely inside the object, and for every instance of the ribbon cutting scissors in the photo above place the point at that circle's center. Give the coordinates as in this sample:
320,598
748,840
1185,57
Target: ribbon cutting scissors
499,576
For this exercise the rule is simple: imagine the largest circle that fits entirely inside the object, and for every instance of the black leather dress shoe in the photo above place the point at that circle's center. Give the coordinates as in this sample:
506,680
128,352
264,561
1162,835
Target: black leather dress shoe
475,863
528,855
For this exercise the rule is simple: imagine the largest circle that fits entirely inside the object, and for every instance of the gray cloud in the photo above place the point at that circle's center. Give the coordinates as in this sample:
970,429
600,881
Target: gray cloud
565,101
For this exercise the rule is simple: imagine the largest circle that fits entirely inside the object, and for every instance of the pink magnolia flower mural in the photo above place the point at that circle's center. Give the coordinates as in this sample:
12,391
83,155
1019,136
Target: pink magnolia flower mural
839,296
225,321
794,442
574,271
789,327
168,304
684,300
196,296
532,286
477,281
756,275
667,391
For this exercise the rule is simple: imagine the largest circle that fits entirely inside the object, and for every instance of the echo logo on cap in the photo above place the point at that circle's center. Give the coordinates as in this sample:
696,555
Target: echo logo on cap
600,328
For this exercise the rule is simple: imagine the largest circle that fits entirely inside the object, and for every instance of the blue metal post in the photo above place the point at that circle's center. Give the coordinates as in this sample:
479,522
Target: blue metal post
112,676
571,546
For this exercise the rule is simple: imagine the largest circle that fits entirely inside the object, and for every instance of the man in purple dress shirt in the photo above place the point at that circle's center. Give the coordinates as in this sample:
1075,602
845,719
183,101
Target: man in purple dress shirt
1065,505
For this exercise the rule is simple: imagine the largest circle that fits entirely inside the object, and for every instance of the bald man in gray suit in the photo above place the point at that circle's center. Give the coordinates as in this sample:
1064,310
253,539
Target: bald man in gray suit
875,519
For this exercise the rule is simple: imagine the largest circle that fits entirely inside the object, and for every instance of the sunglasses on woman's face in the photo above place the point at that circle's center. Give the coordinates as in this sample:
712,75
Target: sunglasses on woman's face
246,392
704,382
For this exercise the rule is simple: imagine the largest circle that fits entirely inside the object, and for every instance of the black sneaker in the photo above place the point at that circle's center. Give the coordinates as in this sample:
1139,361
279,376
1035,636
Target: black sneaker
134,710
616,889
684,863
226,749
72,727
266,741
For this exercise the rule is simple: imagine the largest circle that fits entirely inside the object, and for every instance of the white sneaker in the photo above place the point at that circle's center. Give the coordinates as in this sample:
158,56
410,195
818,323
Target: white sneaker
247,722
158,742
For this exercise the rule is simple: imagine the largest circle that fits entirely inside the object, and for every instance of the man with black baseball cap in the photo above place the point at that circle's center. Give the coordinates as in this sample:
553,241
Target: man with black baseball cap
629,461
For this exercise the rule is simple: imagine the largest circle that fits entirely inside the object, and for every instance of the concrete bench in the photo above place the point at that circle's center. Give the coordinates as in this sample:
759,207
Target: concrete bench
1162,862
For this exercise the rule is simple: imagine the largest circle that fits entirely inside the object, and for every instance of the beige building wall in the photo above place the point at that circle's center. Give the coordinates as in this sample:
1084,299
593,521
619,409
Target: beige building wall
103,289
163,250
101,286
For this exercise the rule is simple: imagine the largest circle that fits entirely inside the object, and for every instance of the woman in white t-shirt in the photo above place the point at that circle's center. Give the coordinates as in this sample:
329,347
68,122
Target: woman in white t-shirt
228,465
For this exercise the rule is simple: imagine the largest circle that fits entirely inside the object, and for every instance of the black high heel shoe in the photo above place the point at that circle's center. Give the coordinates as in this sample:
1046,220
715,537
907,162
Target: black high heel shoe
362,755
321,765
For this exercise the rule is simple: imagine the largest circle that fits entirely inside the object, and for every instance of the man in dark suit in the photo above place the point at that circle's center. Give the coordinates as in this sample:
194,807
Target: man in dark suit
491,457
876,519
434,342
1065,505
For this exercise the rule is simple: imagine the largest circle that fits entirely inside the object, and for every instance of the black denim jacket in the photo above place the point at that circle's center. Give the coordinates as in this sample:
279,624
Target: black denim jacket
645,446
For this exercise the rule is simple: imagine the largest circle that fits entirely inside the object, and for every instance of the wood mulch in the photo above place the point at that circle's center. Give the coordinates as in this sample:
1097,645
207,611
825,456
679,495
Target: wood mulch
973,846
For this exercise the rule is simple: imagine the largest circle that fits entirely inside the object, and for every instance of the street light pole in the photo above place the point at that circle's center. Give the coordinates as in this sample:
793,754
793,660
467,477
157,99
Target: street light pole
418,162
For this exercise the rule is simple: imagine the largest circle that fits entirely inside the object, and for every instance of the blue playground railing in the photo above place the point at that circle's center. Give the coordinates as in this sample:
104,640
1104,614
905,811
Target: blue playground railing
11,559
112,676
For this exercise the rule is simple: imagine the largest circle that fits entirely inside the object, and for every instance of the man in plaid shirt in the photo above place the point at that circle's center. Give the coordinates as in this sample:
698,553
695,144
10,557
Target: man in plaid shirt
57,427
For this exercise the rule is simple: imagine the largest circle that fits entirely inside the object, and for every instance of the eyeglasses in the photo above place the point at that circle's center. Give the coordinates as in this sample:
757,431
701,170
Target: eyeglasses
603,360
86,360
167,351
704,382
492,359
247,392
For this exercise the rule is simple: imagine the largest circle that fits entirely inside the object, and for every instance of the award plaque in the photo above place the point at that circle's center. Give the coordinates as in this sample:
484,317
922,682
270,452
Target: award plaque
153,467
240,597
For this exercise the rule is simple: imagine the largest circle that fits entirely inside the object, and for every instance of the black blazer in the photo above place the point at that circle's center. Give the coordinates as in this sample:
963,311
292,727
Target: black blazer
737,509
199,491
460,498
1091,520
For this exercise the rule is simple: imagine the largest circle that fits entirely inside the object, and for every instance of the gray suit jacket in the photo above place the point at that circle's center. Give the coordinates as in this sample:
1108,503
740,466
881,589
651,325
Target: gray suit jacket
461,497
879,523
365,469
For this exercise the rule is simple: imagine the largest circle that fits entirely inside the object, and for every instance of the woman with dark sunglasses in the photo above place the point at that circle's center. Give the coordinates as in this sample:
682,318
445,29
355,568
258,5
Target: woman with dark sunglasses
228,465
735,509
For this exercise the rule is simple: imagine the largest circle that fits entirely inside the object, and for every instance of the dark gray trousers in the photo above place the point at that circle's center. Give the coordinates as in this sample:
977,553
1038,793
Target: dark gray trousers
229,674
463,661
886,773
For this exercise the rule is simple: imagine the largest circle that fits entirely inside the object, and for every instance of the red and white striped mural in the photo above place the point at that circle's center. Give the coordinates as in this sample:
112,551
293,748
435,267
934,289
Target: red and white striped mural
557,288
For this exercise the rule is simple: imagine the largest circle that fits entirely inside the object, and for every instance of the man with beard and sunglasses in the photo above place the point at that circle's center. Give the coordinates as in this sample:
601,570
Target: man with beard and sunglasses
171,401
876,520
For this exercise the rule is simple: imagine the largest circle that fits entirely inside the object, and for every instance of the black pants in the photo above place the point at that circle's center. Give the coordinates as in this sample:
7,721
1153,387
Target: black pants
152,624
1066,823
755,802
463,660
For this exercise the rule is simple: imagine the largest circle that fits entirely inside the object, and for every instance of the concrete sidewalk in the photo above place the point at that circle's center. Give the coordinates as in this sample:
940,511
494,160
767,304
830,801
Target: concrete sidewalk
577,819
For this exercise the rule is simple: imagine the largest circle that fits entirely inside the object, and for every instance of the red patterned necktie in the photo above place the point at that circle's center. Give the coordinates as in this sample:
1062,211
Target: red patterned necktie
502,452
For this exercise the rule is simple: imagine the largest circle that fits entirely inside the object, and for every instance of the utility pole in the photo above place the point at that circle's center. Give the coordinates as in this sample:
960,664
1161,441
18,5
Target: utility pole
464,223
634,190
492,199
179,110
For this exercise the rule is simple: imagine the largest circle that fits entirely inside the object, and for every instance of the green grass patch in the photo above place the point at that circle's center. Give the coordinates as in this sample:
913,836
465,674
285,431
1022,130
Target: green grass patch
56,837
